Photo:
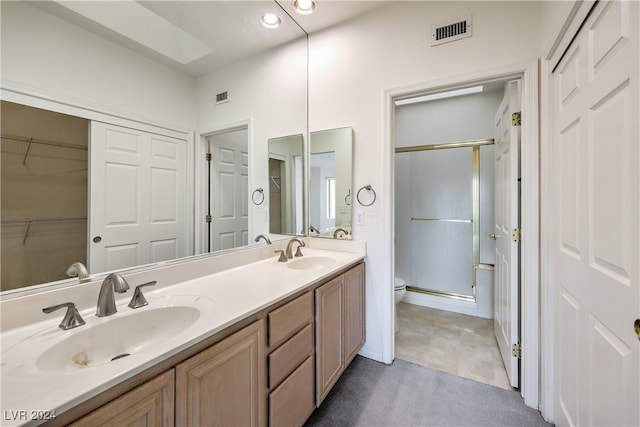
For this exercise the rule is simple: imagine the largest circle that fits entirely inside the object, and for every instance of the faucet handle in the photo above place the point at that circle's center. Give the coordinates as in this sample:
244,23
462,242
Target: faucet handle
71,319
283,257
138,300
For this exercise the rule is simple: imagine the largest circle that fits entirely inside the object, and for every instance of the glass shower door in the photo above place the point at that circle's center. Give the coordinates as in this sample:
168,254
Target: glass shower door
442,211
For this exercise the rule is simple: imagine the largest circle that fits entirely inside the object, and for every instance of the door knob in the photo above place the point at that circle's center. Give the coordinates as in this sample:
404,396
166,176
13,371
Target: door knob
97,239
636,327
494,236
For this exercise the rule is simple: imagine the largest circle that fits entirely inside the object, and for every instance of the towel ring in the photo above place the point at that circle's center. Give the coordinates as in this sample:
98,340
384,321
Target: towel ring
368,188
347,198
261,197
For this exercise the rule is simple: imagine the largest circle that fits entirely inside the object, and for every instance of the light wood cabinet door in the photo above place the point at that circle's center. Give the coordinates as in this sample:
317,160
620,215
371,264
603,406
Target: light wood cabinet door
293,401
225,384
354,321
329,336
151,404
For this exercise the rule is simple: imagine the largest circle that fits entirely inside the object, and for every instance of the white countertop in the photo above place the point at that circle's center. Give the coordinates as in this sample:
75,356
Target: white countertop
225,297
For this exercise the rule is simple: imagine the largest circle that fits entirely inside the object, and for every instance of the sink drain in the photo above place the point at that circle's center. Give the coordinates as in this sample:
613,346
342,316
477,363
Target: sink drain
120,356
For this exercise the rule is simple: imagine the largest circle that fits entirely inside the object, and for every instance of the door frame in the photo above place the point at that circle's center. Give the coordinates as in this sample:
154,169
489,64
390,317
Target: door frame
200,174
530,203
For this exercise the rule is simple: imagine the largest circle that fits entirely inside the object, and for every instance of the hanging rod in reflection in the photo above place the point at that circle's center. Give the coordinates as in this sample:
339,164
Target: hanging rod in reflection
42,142
468,221
30,222
31,141
40,221
460,144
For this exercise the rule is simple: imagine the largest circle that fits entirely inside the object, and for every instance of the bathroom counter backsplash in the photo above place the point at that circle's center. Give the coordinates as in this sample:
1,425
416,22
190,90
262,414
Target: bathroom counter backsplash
225,297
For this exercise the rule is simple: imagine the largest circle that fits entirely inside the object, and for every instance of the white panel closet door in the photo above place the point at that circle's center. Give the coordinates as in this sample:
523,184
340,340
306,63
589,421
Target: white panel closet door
507,204
597,221
138,212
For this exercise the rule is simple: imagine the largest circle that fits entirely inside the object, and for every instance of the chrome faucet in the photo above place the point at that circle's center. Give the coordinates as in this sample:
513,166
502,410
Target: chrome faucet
138,300
106,299
262,236
337,230
314,229
289,252
282,257
77,269
71,319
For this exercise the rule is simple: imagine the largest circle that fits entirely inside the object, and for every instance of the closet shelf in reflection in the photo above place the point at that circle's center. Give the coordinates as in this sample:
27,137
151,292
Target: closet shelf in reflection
24,144
19,224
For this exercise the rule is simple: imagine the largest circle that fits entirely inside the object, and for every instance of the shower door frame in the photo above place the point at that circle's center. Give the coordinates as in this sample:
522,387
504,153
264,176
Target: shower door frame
475,221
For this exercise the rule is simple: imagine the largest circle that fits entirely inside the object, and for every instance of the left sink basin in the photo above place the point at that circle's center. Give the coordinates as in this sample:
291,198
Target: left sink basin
109,339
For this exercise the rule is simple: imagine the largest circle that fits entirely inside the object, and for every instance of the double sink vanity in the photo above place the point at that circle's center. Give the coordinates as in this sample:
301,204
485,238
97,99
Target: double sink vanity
239,338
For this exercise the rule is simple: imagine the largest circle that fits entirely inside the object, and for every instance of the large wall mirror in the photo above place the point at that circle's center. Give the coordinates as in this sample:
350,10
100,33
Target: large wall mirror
330,192
79,87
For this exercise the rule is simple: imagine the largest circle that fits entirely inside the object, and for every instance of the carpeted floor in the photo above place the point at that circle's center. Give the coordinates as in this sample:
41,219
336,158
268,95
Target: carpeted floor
370,394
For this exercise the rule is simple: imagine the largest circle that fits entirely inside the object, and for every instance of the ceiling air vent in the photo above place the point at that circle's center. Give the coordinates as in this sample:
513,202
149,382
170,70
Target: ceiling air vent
222,97
451,31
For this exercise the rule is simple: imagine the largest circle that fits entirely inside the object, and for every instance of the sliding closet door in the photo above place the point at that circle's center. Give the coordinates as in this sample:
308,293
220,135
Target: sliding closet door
138,205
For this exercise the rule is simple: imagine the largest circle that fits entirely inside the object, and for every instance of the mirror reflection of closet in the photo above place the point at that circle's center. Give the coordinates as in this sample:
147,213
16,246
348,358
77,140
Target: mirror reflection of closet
286,185
44,194
330,192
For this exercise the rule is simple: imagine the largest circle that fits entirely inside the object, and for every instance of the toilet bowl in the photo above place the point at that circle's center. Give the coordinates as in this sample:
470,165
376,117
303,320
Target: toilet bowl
399,291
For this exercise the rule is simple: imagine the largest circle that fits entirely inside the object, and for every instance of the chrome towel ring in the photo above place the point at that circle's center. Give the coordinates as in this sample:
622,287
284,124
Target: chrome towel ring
370,189
260,196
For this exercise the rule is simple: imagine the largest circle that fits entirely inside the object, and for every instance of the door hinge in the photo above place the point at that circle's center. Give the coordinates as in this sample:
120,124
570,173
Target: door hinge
208,157
208,218
516,234
516,351
516,118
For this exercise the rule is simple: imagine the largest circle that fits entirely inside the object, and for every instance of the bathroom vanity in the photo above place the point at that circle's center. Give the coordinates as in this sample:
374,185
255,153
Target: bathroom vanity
272,352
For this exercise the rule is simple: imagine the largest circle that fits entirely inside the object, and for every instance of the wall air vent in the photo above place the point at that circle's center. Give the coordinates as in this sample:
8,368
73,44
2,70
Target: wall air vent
451,31
222,97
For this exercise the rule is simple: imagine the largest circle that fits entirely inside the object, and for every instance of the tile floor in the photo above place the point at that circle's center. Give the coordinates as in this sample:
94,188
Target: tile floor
455,343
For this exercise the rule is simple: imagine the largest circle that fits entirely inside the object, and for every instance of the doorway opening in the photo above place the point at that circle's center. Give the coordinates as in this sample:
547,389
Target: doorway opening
448,202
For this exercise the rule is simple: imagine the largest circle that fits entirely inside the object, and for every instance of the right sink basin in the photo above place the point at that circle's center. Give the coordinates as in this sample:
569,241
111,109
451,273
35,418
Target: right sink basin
310,263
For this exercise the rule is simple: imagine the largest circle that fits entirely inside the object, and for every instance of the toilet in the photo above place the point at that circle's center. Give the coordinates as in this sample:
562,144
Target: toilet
399,291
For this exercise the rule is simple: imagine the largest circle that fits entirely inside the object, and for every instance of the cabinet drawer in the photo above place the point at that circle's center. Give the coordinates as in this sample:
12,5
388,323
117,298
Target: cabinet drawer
289,318
289,355
293,401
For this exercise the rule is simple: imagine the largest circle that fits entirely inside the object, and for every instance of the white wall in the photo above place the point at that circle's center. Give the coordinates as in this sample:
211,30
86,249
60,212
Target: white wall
461,118
352,64
270,91
43,54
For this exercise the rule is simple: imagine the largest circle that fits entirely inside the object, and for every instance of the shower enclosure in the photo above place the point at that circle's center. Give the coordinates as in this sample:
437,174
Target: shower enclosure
444,204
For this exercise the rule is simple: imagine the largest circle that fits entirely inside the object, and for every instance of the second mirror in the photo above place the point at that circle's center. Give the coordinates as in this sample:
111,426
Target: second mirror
330,191
286,185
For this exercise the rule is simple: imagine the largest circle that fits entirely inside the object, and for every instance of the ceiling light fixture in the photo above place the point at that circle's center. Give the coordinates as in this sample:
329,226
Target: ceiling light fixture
270,20
304,7
441,95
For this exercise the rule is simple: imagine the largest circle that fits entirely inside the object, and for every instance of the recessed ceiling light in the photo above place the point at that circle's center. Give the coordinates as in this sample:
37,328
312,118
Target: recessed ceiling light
270,20
304,7
441,95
